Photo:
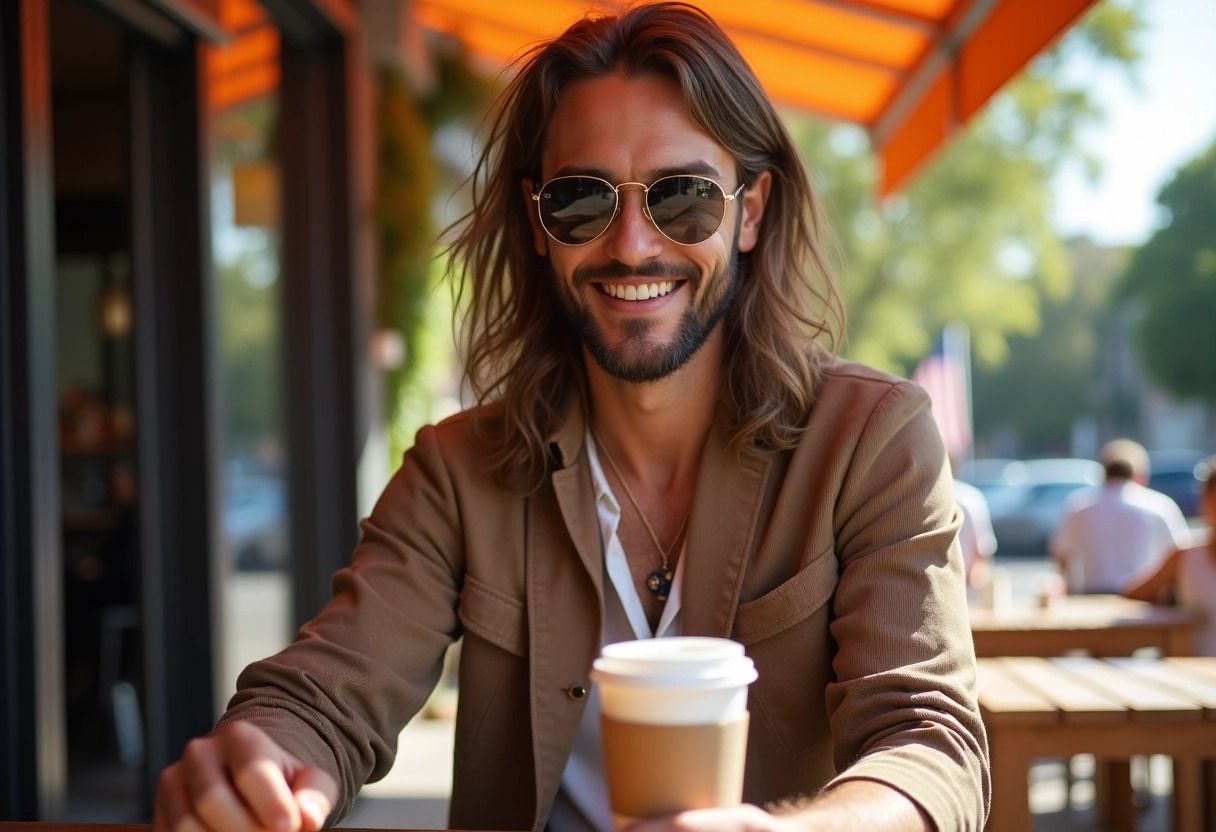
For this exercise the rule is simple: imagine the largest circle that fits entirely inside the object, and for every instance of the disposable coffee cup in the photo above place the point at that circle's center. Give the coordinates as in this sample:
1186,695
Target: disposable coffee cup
674,723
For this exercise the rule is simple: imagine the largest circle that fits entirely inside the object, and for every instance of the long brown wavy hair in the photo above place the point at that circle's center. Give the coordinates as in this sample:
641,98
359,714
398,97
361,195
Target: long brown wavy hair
517,351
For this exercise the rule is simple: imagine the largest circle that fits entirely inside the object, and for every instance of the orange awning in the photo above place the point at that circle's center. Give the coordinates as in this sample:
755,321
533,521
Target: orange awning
910,71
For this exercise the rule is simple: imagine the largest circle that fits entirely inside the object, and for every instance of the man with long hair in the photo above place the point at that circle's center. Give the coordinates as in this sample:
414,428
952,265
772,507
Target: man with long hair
664,444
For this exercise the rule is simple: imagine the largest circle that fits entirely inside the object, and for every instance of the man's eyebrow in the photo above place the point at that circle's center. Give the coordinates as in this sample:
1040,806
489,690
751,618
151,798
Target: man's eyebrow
697,167
576,170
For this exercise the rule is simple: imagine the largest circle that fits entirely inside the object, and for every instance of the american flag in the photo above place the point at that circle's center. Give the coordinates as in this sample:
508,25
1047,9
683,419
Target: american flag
945,373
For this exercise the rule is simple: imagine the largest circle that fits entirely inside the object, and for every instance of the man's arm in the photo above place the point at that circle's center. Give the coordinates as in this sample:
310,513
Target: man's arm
1151,584
329,707
1059,548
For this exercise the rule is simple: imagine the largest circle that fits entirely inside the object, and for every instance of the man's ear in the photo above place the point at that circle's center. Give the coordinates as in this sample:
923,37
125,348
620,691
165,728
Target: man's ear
752,203
540,240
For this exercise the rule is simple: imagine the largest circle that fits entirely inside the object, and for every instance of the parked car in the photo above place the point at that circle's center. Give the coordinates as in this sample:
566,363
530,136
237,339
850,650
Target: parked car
255,521
1179,475
1026,497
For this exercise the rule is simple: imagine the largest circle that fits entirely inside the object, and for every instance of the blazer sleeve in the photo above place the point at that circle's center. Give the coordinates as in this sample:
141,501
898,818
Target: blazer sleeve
340,694
903,707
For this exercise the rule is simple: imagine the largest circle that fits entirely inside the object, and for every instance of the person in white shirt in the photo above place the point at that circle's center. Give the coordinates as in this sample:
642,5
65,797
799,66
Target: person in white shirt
976,536
1110,531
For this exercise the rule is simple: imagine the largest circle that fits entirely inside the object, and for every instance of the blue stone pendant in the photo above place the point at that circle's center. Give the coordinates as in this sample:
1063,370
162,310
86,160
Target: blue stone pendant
659,582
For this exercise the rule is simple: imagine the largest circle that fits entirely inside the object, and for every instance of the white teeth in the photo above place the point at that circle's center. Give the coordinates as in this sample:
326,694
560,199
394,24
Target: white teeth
643,292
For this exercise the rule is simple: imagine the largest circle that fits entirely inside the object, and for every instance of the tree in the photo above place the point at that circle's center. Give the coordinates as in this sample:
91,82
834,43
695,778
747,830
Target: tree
971,238
1055,377
250,346
1172,280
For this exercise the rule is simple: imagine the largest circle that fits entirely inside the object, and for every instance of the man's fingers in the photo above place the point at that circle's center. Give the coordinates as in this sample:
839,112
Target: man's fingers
172,812
315,794
262,786
211,796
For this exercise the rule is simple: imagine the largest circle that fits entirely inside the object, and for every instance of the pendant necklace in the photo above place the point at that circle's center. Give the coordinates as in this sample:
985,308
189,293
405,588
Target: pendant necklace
658,581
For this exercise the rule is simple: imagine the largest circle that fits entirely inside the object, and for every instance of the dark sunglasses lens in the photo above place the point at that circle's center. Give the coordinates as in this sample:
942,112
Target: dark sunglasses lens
576,209
688,209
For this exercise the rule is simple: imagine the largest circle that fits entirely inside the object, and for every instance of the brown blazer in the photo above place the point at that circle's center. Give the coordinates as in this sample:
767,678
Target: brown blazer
835,564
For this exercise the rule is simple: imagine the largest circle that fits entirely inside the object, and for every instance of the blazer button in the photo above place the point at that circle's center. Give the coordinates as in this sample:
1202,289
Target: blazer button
576,692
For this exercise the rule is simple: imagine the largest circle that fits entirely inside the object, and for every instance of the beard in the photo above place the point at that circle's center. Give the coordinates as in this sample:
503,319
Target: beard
642,357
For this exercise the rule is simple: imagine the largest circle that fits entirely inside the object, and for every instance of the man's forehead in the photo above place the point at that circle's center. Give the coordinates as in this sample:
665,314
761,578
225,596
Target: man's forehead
628,127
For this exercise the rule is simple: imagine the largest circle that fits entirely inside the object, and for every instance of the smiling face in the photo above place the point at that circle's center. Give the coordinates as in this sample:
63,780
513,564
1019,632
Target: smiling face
642,304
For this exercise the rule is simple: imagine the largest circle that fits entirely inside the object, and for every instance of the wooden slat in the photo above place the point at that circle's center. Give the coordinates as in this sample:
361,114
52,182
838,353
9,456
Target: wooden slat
1179,680
1077,702
1145,700
1006,699
1204,667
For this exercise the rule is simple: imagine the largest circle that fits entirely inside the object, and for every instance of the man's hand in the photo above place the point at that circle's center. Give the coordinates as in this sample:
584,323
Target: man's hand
745,818
239,780
854,805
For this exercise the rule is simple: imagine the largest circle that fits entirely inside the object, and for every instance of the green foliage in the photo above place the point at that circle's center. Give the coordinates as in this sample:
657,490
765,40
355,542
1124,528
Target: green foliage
403,223
408,178
1172,281
970,240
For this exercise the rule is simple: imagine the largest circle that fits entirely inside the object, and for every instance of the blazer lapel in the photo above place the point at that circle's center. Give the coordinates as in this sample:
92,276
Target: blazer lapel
729,493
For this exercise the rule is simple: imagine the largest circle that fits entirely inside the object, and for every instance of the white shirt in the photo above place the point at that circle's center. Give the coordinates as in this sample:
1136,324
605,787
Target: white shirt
976,536
1113,530
581,804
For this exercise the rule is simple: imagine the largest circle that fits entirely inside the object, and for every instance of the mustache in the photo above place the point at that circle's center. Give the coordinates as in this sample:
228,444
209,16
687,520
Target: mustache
616,270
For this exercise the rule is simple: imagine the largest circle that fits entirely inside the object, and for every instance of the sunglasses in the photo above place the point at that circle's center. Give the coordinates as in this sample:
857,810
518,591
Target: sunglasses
574,210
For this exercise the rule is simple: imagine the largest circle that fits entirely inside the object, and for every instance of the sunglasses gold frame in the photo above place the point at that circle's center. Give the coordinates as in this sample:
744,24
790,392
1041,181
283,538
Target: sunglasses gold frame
616,204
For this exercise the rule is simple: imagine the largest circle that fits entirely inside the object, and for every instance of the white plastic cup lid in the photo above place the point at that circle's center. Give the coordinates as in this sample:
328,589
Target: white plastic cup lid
679,662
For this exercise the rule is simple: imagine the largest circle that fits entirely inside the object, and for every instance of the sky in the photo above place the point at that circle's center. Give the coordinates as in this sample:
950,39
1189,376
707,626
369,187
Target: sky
1155,124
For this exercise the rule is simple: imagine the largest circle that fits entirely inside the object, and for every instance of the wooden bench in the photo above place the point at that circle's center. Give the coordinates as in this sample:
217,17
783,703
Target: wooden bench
1111,708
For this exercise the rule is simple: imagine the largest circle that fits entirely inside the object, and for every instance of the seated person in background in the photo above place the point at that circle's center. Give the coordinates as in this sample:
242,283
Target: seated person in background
1187,576
665,445
1115,529
976,536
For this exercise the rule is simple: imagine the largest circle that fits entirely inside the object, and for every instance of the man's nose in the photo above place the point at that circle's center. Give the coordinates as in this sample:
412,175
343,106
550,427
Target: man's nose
632,238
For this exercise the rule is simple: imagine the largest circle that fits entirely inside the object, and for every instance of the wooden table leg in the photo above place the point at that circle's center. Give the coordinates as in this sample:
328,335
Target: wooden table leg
1188,796
1010,787
1113,791
1209,793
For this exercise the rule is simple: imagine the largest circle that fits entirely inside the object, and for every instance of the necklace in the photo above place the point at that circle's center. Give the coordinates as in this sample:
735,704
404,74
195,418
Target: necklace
658,581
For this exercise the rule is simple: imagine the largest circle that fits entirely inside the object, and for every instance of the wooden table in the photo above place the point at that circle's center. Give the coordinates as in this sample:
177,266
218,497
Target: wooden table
1102,625
1111,708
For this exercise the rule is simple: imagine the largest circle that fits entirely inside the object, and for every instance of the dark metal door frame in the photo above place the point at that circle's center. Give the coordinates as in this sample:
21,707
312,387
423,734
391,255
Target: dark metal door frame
32,725
171,273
